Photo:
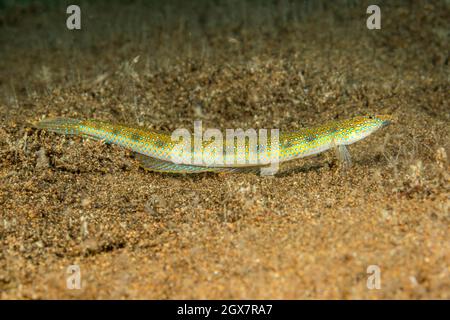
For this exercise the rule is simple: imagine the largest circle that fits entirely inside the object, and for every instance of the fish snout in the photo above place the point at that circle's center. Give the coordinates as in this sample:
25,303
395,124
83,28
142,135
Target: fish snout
385,120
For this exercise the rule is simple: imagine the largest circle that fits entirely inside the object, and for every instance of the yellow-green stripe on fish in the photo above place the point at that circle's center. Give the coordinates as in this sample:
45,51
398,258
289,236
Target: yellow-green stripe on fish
155,149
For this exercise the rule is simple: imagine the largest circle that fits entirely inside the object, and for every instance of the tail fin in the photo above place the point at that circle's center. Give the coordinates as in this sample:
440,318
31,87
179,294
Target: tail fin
60,125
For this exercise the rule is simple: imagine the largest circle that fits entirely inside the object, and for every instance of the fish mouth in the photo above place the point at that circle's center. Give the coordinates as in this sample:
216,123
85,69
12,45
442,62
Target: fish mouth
385,123
386,120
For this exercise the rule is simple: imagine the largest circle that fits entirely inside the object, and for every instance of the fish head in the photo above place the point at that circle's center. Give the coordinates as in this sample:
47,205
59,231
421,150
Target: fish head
358,128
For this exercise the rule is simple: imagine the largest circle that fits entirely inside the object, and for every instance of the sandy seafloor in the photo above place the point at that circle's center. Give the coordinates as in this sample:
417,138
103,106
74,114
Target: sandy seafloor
309,232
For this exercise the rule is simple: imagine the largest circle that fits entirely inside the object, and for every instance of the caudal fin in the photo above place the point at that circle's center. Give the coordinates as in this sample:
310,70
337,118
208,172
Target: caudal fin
60,125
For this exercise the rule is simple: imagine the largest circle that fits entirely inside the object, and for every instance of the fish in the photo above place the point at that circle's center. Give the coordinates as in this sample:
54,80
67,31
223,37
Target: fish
155,150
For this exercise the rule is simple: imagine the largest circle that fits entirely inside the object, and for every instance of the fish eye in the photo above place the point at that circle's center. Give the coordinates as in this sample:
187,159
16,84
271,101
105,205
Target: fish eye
371,117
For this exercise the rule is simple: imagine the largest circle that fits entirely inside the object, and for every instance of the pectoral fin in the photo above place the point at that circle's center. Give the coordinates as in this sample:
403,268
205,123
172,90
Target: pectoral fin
343,155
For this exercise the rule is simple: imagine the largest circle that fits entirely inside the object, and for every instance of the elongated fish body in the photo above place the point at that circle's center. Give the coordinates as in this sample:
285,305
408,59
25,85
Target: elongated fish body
156,150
